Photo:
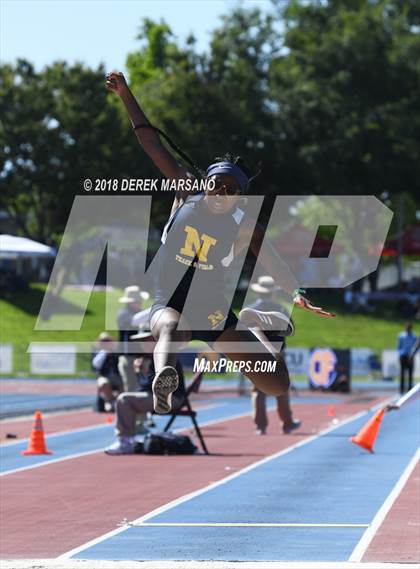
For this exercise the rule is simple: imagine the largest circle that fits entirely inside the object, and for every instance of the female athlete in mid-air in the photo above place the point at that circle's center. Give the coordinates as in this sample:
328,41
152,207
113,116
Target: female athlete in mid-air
215,216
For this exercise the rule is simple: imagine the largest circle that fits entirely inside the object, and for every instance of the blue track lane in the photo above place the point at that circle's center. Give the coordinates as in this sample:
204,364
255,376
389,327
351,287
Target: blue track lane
17,404
327,480
97,438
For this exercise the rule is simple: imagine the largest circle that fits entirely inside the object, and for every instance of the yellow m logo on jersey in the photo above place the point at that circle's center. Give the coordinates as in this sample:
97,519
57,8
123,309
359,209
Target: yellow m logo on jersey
196,244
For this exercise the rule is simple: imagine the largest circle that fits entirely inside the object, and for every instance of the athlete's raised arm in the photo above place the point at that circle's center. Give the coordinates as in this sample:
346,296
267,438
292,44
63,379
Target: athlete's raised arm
148,137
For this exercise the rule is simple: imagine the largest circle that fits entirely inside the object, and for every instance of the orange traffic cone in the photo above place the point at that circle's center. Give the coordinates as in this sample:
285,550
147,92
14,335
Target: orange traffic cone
37,440
366,437
331,411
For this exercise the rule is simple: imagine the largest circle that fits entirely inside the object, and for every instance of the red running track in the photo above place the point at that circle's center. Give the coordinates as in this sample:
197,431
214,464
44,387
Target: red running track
53,423
55,508
50,387
398,537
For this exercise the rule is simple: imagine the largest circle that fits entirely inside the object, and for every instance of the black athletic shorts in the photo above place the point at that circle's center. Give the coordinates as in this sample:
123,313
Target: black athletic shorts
210,310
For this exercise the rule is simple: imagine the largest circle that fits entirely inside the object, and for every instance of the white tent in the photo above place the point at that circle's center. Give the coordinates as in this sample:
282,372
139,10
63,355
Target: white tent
12,247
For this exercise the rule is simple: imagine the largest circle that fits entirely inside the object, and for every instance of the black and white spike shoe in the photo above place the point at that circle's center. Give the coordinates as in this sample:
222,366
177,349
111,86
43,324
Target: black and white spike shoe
164,384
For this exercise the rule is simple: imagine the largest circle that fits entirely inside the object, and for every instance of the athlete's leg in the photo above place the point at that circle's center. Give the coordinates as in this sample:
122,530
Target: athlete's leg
284,409
270,382
253,318
169,340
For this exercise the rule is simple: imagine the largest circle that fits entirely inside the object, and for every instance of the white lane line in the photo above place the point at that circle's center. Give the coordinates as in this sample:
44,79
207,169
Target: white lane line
209,406
186,497
107,564
370,533
89,428
47,462
44,414
59,434
240,525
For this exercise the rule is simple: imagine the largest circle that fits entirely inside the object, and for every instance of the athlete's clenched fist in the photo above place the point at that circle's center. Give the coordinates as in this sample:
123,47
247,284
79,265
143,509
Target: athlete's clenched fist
115,81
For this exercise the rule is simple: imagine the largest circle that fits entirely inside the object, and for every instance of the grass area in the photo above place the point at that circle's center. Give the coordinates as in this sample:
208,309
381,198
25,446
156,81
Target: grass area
19,313
345,331
19,316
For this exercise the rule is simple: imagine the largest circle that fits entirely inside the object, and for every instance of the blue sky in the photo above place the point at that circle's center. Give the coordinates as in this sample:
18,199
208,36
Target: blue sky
94,31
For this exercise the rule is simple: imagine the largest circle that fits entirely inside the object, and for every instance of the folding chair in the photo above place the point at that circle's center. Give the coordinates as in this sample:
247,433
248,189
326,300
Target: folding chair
185,409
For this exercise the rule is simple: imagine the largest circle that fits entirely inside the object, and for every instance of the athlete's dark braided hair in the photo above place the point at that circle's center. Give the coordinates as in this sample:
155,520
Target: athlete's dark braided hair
240,162
228,157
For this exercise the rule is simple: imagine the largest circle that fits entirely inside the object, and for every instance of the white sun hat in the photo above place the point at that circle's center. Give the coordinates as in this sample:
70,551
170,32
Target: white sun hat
133,294
265,285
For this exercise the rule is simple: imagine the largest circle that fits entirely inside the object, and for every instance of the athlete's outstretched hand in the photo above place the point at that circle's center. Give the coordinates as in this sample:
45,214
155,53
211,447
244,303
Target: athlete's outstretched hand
304,303
115,81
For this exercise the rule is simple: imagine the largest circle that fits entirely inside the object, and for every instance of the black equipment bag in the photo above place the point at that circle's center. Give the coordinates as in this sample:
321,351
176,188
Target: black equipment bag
168,443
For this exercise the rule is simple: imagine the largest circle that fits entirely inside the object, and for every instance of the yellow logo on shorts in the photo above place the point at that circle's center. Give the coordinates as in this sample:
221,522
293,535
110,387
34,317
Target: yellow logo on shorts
196,244
215,318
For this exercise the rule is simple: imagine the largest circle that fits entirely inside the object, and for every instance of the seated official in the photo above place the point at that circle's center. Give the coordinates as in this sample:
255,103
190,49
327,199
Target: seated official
130,404
105,363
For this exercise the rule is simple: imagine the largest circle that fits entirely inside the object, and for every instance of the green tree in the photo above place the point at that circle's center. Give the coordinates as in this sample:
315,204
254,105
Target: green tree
212,103
62,127
346,90
325,94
